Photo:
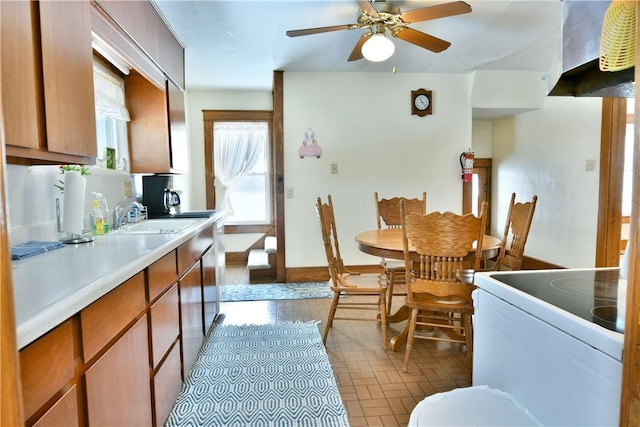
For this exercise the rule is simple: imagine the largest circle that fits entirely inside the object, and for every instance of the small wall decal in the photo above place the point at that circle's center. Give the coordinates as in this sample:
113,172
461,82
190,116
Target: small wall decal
310,147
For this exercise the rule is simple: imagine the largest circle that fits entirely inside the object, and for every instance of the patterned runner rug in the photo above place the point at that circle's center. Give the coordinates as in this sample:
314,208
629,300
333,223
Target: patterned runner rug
260,375
262,292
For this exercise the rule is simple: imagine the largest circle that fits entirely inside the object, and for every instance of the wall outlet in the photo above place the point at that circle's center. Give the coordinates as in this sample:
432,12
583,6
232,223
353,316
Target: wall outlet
290,192
334,168
590,165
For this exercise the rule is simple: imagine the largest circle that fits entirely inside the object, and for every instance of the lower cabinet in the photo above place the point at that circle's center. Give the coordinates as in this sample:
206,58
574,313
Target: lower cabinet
118,392
121,360
191,315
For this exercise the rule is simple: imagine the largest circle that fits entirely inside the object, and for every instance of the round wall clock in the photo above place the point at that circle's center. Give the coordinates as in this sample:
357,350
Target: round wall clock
421,102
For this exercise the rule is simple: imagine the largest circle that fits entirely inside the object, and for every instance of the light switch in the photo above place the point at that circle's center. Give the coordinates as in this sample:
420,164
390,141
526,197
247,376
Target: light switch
590,165
334,168
290,192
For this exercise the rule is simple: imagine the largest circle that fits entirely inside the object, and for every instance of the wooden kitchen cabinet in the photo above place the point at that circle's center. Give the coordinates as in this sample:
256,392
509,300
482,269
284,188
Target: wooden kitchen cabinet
118,388
47,81
121,360
157,130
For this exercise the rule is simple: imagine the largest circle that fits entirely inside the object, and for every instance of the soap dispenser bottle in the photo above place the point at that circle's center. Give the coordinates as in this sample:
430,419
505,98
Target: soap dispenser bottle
99,215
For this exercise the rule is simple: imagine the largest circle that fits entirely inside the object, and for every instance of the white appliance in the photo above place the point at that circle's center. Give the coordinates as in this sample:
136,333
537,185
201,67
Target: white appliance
553,340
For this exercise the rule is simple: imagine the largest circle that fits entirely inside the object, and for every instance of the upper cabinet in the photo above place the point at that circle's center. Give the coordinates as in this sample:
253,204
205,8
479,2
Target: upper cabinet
147,28
155,86
47,82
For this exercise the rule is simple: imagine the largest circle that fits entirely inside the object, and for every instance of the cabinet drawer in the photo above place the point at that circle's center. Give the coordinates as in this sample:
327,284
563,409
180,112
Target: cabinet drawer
162,274
63,413
166,384
191,251
47,365
165,324
105,318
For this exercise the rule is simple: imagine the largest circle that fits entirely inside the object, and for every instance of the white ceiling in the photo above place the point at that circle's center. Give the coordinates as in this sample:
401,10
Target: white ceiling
236,44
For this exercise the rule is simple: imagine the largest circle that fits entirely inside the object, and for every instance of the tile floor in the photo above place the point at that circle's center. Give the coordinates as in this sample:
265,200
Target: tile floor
375,390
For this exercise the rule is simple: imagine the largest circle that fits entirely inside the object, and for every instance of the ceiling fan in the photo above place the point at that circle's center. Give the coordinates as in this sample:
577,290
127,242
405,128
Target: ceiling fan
380,17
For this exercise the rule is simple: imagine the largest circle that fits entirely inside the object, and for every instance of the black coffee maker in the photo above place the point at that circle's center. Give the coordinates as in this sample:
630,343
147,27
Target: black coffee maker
158,196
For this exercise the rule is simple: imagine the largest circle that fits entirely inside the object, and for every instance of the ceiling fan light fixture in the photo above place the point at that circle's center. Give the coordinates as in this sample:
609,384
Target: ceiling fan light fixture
378,48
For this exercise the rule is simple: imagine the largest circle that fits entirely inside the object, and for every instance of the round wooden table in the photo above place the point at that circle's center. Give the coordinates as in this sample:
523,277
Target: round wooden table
387,243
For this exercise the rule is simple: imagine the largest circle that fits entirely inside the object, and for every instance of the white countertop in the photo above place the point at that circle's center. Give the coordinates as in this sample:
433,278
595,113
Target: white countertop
51,287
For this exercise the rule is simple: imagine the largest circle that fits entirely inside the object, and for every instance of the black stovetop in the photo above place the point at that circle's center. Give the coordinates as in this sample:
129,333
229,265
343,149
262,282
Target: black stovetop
589,294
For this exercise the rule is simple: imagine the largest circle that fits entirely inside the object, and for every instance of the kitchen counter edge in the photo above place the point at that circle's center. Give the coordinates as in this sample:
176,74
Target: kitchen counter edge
52,287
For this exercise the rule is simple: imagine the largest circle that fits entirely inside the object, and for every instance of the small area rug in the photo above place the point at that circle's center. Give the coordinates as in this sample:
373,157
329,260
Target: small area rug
260,375
273,291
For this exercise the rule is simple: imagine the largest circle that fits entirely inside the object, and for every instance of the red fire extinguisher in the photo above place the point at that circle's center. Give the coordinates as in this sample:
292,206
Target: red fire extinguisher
466,163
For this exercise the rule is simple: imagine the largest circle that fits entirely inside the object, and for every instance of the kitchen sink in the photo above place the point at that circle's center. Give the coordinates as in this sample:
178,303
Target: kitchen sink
157,226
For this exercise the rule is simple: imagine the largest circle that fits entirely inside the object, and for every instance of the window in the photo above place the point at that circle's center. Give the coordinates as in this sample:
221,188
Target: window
111,118
241,164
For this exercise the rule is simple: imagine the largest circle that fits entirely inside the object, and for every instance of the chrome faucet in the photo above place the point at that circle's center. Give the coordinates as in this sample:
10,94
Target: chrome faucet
123,209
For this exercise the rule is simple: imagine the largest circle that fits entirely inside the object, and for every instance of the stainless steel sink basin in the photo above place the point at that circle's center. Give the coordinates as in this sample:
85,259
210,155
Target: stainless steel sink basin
157,226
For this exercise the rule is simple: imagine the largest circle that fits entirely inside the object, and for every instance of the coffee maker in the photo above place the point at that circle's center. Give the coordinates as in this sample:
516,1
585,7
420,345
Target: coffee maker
158,196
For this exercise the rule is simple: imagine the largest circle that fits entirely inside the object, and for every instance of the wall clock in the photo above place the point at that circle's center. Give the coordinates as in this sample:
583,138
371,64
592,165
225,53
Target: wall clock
421,102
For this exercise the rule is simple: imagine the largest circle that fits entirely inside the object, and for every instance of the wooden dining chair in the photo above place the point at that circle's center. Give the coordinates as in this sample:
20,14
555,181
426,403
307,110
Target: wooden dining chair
388,216
516,232
442,251
351,292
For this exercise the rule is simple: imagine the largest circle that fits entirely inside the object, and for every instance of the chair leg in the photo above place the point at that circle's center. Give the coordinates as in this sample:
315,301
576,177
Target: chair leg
391,279
383,318
332,313
410,337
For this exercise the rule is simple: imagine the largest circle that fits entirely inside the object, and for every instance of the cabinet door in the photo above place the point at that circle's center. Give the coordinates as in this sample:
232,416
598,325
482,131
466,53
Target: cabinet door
178,129
67,70
149,126
118,385
166,385
191,316
21,84
210,289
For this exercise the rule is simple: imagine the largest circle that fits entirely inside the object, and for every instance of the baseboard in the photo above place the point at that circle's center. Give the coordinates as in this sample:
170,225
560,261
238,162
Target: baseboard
318,274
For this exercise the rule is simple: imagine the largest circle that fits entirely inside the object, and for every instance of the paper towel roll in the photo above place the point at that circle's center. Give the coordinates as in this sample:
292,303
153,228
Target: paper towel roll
73,210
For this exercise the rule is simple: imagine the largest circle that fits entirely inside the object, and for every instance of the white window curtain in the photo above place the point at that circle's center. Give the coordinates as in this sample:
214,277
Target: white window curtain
236,150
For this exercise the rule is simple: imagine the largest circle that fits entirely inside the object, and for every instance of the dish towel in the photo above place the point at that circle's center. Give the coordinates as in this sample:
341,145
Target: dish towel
33,247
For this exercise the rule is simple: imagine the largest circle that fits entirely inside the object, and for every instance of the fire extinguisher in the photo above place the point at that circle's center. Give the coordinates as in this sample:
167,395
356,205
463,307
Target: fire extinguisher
466,163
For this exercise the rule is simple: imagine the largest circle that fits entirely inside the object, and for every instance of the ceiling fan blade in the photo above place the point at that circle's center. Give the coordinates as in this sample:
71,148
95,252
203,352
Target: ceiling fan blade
367,7
356,53
438,11
421,39
307,31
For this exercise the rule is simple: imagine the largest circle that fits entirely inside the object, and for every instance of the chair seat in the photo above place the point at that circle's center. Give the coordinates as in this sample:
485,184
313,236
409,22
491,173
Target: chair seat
431,302
361,284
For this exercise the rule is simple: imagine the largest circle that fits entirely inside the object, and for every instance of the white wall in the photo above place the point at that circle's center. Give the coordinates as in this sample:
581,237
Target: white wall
363,123
544,152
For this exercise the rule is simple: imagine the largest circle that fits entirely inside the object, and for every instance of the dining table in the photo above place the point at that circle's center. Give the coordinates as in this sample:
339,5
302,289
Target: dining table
387,243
